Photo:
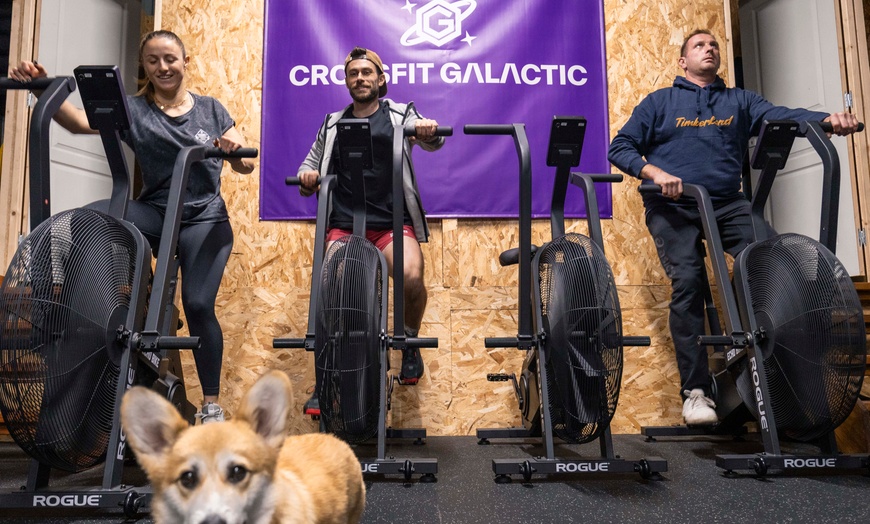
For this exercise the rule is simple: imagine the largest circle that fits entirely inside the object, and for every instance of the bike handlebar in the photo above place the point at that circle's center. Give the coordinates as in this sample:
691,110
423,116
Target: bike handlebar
439,131
653,189
488,129
613,178
37,84
242,152
827,127
408,131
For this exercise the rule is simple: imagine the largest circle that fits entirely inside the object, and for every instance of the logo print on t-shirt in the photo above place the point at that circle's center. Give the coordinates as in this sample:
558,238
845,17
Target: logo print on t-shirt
201,136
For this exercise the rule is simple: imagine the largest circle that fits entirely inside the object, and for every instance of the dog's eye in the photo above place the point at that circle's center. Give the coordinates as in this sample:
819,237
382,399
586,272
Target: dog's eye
188,479
237,474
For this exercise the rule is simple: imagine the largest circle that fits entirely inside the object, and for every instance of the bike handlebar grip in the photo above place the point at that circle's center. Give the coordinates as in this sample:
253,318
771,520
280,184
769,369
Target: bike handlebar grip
650,188
715,340
501,342
439,131
178,343
296,181
242,152
488,129
827,127
286,343
35,84
421,342
600,177
636,341
614,178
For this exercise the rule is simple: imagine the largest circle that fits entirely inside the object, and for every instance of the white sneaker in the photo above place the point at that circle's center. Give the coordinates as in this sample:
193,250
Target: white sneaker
211,412
698,410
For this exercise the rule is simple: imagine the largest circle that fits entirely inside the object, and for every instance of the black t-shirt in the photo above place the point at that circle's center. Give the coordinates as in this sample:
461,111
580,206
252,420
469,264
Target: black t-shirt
156,138
378,180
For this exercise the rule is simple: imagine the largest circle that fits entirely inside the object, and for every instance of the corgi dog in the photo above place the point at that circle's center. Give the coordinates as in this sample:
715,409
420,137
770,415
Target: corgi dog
245,470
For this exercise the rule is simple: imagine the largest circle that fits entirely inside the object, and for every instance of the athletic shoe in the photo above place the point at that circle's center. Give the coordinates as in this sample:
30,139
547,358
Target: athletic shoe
312,406
412,366
698,410
211,412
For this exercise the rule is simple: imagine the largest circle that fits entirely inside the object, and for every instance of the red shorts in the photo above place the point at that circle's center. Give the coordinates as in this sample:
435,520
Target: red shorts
381,238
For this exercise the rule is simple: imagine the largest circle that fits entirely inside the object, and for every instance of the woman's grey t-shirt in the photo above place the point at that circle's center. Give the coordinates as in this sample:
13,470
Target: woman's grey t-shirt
156,138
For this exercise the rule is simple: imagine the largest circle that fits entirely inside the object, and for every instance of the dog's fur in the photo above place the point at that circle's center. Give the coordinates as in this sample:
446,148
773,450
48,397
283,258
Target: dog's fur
245,470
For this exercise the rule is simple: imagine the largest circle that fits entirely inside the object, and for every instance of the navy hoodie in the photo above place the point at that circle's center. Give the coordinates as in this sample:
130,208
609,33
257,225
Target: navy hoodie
699,134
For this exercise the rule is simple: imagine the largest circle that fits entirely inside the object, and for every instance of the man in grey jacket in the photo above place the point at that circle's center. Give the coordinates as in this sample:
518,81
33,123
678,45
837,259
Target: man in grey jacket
367,85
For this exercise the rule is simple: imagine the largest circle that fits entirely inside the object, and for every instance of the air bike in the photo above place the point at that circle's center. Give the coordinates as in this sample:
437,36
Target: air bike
347,316
570,324
795,342
84,318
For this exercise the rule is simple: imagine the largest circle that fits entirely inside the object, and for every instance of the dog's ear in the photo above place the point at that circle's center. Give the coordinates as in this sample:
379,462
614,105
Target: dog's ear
266,407
151,423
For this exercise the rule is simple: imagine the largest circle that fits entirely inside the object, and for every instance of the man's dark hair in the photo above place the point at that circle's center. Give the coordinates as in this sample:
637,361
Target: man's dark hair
357,52
361,52
693,33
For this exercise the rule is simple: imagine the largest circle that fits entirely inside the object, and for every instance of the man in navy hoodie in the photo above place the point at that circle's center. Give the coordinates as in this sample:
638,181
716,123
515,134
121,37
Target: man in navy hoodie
697,132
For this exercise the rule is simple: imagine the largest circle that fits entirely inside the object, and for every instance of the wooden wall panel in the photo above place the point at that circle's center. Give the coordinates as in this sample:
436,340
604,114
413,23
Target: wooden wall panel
266,285
14,166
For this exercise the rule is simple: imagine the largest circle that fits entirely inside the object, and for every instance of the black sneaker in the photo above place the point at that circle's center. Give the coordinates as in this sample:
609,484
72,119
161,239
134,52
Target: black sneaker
412,366
312,406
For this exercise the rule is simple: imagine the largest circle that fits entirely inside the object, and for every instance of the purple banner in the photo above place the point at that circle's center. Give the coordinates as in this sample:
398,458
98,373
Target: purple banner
460,62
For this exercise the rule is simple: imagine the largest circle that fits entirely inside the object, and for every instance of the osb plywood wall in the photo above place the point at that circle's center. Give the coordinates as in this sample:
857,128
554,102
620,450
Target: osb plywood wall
265,289
867,20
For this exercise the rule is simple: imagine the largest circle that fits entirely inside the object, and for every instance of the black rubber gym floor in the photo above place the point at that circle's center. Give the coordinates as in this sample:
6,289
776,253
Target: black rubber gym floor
692,491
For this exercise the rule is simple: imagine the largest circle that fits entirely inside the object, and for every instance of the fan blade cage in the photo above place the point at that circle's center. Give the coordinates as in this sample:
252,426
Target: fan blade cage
66,291
814,343
347,339
583,328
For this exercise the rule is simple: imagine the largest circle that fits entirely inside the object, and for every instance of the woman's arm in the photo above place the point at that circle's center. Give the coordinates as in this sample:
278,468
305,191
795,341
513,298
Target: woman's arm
68,116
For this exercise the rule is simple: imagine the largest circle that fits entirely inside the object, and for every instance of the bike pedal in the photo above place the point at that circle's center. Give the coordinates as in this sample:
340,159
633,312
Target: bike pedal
499,377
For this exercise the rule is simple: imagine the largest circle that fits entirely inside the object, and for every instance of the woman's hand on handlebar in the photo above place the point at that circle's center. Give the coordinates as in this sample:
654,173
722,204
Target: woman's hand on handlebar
843,123
27,71
231,141
309,181
70,117
672,187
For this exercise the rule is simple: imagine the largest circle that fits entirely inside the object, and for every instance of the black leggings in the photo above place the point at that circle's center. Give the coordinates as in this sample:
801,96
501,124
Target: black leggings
203,251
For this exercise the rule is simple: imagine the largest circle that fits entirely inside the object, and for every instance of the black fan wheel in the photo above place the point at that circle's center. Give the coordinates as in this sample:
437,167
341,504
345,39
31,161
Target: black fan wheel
347,339
810,330
67,290
583,325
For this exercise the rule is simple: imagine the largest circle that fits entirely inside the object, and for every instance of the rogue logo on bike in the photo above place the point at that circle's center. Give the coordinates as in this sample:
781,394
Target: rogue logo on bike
590,467
759,398
810,463
70,501
438,22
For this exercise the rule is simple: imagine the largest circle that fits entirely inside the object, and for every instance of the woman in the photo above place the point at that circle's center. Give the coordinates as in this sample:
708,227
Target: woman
166,117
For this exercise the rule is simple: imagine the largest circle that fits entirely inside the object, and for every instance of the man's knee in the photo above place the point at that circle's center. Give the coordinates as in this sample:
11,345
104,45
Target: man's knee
414,281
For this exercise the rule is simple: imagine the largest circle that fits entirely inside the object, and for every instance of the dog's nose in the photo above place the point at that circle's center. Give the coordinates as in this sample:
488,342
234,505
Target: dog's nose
214,519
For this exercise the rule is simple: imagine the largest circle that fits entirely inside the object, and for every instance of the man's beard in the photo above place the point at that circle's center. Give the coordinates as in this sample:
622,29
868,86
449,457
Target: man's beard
369,95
